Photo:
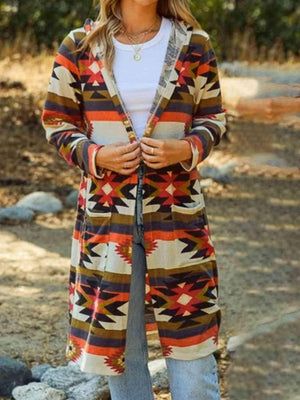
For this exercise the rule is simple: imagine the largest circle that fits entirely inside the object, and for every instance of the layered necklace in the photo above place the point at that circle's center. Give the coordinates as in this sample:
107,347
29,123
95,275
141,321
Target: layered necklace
137,43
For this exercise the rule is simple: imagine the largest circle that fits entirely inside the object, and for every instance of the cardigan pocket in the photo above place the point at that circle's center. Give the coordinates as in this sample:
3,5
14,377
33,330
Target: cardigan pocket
96,228
188,208
197,204
190,216
93,212
94,207
191,233
95,243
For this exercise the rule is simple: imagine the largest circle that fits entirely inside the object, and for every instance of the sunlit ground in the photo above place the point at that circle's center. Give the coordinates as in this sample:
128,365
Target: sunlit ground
254,221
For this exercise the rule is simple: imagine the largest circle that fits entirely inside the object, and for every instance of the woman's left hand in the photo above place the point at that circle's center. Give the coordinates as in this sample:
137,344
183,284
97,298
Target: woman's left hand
165,151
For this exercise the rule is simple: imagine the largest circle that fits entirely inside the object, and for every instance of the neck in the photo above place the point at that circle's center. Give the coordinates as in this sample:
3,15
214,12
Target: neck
137,17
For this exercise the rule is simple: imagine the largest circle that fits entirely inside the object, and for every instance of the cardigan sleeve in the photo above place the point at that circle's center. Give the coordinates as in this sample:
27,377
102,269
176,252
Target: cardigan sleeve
62,116
209,120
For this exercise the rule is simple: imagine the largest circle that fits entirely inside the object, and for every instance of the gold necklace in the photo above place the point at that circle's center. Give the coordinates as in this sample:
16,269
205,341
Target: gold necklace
137,47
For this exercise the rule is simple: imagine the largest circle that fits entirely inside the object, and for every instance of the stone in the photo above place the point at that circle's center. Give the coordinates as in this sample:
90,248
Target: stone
234,342
205,183
37,391
72,198
95,389
159,374
64,377
219,174
42,202
12,373
16,213
38,371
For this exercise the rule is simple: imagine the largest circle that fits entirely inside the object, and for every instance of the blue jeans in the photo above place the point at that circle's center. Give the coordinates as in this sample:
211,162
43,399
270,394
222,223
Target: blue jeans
188,380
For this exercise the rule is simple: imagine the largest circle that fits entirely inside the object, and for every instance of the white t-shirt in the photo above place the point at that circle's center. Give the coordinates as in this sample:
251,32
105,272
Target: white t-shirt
137,81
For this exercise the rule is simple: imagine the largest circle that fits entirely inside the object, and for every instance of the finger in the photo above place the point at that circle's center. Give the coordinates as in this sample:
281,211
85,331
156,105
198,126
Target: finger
154,165
150,158
128,158
132,163
131,146
148,149
132,155
128,147
151,142
127,171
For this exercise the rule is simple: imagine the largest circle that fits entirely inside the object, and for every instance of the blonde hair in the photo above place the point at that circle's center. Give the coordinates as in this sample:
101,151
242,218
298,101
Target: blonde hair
109,23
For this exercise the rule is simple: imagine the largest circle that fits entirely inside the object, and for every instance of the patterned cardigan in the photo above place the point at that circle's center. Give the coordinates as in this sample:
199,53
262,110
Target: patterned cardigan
84,111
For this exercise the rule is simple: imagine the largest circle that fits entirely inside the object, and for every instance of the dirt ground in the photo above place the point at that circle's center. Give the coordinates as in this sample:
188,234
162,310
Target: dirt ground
254,221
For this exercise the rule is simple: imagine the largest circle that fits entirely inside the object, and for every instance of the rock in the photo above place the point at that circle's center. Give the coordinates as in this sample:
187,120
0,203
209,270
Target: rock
64,377
12,373
234,342
206,182
159,374
219,174
261,93
41,202
228,167
38,371
16,213
71,199
37,391
95,389
104,393
157,365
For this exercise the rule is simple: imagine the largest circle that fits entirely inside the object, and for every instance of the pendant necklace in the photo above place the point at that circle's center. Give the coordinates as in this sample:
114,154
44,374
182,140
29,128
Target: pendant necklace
138,46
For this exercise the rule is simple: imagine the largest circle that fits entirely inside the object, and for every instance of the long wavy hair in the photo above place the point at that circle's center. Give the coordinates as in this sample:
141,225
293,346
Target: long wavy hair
109,23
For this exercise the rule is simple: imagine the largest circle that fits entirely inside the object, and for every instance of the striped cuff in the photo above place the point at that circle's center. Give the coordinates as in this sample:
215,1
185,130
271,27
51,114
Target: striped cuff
98,172
195,155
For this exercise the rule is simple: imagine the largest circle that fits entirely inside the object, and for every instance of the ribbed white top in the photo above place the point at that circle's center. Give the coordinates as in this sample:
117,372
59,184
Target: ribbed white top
137,81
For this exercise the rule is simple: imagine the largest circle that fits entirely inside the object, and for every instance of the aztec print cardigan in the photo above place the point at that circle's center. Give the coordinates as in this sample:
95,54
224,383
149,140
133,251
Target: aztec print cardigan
84,111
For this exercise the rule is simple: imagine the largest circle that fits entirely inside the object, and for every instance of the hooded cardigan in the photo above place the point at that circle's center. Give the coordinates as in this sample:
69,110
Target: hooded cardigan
84,111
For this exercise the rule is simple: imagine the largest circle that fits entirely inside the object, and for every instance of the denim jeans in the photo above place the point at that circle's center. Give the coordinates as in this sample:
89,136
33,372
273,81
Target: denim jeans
188,380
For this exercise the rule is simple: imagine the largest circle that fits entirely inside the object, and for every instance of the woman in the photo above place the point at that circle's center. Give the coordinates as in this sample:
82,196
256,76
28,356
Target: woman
134,102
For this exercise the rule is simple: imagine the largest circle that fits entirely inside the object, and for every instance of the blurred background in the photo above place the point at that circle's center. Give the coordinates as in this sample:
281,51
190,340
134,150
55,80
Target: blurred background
251,183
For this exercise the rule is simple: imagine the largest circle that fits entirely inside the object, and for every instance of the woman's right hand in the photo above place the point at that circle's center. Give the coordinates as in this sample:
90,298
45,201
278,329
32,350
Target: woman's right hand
121,157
